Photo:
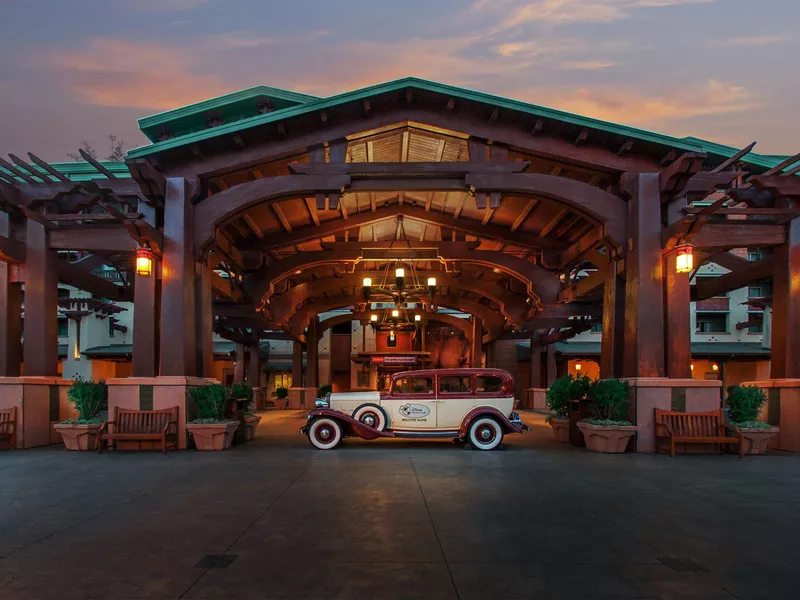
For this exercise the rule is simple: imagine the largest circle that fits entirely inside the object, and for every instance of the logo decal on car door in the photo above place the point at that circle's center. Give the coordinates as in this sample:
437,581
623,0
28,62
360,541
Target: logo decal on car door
413,411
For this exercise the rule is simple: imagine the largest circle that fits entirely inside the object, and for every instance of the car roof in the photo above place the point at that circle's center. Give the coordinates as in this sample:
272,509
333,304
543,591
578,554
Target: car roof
468,371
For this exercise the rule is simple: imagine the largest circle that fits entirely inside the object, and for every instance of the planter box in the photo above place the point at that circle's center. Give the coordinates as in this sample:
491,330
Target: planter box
282,403
560,429
212,436
79,436
611,440
250,424
756,439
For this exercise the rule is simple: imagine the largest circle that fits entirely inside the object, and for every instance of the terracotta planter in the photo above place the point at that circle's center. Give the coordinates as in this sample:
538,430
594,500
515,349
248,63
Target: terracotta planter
560,427
212,436
250,424
611,440
756,439
78,436
281,403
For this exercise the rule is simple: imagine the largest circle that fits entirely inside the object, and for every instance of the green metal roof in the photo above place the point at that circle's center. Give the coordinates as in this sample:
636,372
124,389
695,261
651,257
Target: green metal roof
585,349
422,85
78,170
229,108
766,161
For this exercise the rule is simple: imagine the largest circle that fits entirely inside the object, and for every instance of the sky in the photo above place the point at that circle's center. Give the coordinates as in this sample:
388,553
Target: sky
723,70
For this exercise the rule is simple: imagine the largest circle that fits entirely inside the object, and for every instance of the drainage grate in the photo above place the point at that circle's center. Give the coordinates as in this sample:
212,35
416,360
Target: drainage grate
683,565
216,561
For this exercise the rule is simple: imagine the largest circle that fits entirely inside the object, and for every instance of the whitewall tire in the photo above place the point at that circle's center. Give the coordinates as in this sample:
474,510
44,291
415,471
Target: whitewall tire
371,415
485,433
325,433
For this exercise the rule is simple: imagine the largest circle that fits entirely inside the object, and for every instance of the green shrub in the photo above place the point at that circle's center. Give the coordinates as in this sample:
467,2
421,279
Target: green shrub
745,403
242,391
609,399
281,393
89,398
209,401
324,390
564,389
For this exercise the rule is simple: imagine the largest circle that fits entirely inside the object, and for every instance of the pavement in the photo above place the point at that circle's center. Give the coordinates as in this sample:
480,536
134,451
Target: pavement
390,519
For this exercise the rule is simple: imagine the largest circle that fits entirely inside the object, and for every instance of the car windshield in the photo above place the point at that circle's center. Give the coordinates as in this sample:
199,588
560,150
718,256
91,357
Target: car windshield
413,385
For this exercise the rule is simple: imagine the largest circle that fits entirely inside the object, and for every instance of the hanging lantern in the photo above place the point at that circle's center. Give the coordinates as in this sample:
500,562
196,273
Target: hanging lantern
431,286
714,367
399,275
366,288
578,366
417,318
373,318
391,336
395,314
684,259
144,261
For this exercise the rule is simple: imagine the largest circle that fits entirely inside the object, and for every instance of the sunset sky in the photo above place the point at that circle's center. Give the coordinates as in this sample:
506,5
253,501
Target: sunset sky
724,70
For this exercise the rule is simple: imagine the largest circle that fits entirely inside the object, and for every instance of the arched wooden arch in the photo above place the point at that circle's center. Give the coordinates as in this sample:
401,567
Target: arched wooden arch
464,325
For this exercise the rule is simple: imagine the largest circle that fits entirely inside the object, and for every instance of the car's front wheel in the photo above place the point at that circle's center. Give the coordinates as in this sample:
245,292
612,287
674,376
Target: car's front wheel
485,433
371,416
325,433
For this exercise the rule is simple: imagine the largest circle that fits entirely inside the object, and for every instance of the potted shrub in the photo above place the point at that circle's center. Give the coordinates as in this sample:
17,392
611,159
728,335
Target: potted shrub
242,392
89,398
560,393
608,430
211,430
745,403
281,397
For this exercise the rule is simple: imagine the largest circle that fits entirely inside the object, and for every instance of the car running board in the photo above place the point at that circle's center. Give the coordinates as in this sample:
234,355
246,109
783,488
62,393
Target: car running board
426,434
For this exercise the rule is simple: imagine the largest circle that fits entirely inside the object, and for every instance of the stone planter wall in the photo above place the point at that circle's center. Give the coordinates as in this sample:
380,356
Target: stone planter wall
609,440
41,403
782,410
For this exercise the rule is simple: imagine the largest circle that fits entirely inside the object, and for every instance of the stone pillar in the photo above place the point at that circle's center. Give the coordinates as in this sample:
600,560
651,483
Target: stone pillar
10,313
476,346
312,354
41,304
204,321
178,356
677,321
785,329
238,365
644,305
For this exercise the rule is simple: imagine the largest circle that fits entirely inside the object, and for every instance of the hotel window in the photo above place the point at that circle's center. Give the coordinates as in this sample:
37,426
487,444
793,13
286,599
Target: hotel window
282,380
711,322
63,327
755,292
754,254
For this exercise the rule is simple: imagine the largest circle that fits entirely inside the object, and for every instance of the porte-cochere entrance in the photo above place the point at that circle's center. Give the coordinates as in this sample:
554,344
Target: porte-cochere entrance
411,206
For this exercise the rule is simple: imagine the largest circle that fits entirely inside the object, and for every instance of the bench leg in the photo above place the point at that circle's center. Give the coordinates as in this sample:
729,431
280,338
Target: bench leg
163,444
672,448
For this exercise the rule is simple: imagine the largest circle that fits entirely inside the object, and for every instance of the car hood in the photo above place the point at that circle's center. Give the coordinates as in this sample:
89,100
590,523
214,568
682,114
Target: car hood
362,397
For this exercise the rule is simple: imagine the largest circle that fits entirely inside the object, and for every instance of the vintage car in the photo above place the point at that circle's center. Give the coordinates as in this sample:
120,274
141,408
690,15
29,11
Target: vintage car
472,405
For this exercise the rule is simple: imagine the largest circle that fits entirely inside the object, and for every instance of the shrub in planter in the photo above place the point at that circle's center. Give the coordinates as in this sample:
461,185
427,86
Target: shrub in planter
211,430
251,421
559,394
242,391
745,403
608,430
89,398
281,397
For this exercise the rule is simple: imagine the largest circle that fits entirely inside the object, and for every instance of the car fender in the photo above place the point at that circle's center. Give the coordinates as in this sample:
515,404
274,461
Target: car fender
350,426
491,411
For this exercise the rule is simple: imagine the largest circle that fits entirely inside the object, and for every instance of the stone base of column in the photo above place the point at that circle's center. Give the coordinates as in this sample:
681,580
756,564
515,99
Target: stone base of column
535,398
153,393
304,398
782,410
683,395
41,402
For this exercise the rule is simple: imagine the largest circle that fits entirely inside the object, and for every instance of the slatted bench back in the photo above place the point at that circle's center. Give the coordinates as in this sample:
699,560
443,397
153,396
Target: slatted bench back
8,417
143,421
701,424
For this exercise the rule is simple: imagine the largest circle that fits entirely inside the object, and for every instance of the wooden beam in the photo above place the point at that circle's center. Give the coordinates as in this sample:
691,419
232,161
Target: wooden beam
113,239
708,287
46,166
734,159
22,164
276,208
88,158
738,234
411,170
524,213
77,276
776,170
553,222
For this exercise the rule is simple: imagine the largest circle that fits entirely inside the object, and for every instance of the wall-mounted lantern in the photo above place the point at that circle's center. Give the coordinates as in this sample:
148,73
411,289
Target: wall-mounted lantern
144,261
684,259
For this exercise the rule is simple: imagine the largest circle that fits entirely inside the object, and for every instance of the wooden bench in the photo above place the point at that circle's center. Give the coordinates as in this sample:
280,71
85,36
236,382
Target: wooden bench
141,426
8,426
693,428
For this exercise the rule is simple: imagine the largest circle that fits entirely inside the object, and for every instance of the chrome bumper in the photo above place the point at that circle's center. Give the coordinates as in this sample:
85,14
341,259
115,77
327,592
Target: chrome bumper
515,419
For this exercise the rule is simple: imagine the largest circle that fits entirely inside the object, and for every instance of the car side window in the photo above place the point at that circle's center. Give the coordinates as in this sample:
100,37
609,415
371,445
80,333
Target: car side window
413,385
455,384
488,384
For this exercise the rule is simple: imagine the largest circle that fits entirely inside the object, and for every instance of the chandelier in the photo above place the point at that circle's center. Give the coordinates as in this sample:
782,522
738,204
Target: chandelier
394,319
399,289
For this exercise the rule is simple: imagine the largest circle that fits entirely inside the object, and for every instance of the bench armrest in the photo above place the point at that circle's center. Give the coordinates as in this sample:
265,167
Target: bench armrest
663,427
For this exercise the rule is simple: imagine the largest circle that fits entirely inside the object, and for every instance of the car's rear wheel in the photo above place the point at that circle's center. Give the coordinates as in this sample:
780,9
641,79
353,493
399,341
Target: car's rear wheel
325,433
371,415
485,433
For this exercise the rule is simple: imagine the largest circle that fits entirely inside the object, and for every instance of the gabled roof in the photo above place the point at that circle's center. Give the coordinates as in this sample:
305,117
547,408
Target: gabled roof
309,104
230,108
78,170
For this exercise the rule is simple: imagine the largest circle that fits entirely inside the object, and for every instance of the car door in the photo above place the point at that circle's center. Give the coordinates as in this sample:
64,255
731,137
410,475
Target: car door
454,400
412,403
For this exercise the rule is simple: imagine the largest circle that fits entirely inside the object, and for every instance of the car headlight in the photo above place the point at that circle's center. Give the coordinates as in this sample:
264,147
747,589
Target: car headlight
322,403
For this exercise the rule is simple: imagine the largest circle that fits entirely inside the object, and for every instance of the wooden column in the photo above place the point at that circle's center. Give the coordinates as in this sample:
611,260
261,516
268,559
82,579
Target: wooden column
644,296
204,321
254,366
677,321
145,323
786,306
178,353
476,349
535,380
551,370
238,365
297,364
312,354
10,313
41,304
613,342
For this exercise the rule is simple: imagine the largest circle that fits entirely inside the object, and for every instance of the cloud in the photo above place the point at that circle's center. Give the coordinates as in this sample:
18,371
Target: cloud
752,40
166,5
112,72
587,65
629,105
